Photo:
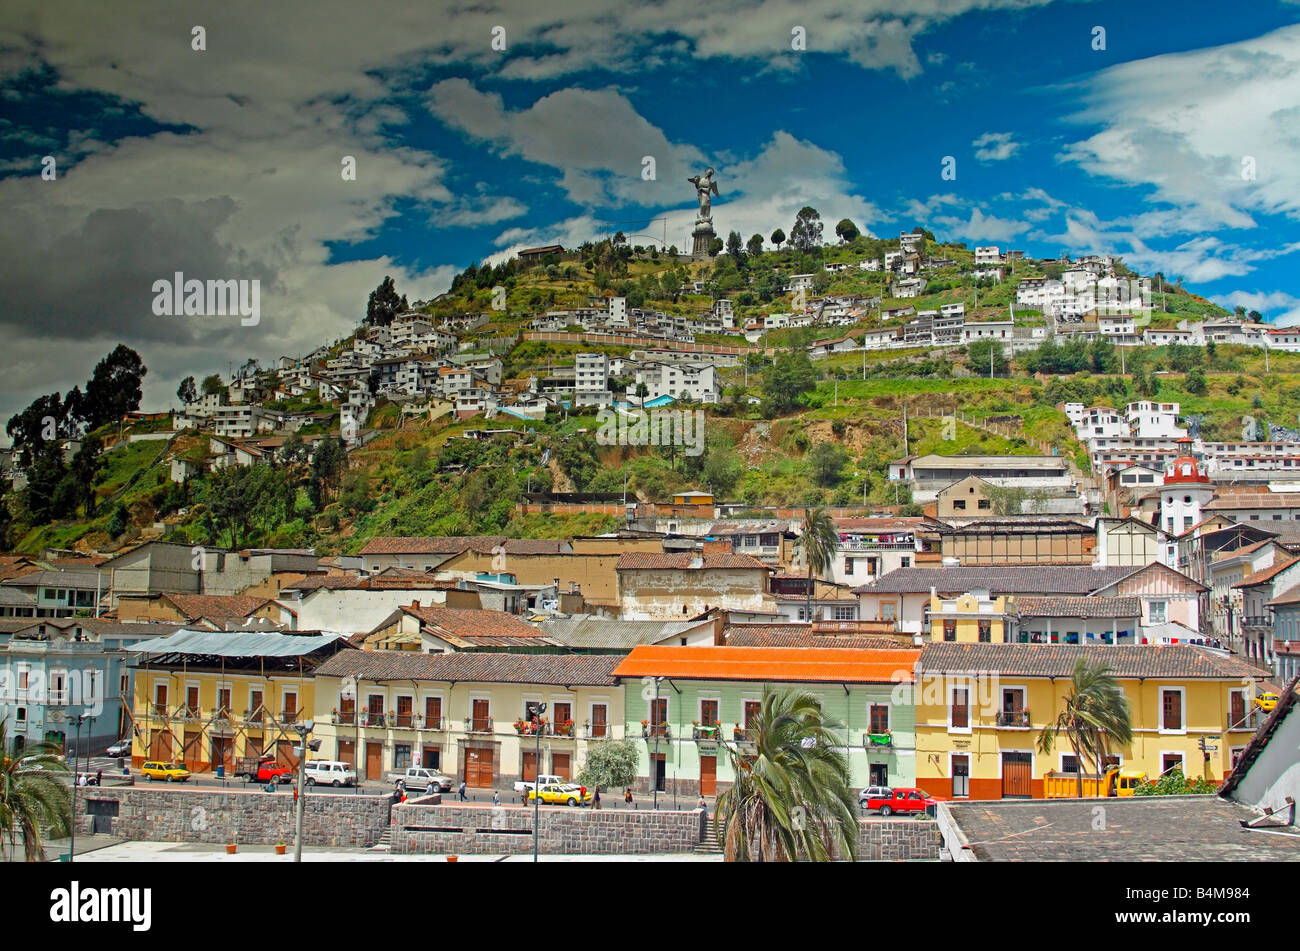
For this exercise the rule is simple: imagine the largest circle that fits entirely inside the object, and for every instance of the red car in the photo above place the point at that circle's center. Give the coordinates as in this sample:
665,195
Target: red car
903,800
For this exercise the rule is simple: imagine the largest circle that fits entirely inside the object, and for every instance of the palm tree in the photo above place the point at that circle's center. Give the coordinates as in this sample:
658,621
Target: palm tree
791,798
1096,715
33,798
816,544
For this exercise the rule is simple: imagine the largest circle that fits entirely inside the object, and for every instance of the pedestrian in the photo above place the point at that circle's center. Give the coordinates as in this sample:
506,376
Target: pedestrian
597,797
702,804
496,798
463,797
628,796
99,777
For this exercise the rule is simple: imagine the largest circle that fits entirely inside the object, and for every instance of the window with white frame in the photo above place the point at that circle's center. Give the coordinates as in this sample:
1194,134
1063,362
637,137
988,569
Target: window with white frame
1159,612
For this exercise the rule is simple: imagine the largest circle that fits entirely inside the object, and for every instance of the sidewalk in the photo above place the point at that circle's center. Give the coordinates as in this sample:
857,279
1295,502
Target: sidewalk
188,852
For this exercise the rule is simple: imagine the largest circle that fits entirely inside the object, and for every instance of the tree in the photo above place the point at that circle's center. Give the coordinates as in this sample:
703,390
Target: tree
383,304
85,467
816,544
827,461
117,521
33,799
610,764
326,466
985,353
1194,381
715,247
755,245
735,250
778,238
791,798
807,231
114,389
187,392
789,378
1096,717
846,231
212,385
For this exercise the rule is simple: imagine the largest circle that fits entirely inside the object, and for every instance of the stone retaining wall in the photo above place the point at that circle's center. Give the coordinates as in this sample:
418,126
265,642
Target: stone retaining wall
424,828
257,818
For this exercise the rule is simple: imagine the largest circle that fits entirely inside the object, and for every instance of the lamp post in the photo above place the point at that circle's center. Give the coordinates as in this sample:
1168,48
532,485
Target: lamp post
303,729
654,767
537,777
76,760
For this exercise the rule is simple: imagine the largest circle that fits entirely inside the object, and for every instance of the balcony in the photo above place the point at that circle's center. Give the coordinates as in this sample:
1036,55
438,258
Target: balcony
257,716
289,716
1250,720
651,730
1014,719
190,714
403,721
377,719
710,732
1257,620
343,718
878,741
429,723
596,731
478,725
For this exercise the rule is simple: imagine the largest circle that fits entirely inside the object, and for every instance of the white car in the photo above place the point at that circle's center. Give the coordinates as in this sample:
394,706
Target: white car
329,773
120,748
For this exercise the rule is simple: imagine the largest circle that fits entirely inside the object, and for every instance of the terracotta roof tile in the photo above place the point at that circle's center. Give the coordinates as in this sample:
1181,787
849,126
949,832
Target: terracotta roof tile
800,635
1079,607
472,622
193,606
567,670
1058,660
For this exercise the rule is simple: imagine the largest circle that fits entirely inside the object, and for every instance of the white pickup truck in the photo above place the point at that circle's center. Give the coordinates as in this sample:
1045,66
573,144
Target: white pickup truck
524,785
421,777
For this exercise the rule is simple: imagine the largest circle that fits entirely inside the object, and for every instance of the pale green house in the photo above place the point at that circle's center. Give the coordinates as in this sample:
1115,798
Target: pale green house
689,704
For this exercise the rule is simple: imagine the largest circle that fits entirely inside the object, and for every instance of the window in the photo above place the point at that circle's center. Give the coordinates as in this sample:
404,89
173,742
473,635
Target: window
1069,763
1171,710
752,708
848,566
1171,761
1159,611
984,504
20,714
401,755
905,561
599,719
432,713
845,612
878,717
959,505
959,712
986,631
708,712
887,610
949,630
405,711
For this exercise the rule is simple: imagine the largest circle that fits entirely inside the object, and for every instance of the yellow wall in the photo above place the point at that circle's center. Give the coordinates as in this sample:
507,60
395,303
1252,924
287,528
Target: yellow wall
1205,714
967,618
506,705
249,738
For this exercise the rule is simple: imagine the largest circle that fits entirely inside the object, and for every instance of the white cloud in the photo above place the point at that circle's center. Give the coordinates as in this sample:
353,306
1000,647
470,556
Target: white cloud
981,227
995,147
1182,123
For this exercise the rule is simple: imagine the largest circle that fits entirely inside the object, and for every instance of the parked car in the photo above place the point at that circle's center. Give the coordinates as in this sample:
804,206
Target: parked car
874,792
329,773
561,794
525,785
120,748
903,801
263,769
1266,702
171,772
421,777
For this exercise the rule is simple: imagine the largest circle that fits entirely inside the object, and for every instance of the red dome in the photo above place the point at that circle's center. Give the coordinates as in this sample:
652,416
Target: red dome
1185,468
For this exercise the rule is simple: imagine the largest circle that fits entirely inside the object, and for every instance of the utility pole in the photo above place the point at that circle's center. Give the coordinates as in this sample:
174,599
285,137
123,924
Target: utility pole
654,766
537,776
303,730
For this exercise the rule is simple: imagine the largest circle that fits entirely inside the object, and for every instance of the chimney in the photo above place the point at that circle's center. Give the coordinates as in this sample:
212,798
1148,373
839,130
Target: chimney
916,639
415,605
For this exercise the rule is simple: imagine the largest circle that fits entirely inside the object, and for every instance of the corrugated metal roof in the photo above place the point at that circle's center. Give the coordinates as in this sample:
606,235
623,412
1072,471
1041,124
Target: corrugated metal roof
236,643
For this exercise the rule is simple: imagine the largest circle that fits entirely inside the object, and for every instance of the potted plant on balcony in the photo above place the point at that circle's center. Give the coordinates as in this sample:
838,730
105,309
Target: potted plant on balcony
522,726
279,848
230,848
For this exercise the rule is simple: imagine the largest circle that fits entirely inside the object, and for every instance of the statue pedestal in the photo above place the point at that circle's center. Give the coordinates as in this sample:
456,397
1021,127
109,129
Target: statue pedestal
702,237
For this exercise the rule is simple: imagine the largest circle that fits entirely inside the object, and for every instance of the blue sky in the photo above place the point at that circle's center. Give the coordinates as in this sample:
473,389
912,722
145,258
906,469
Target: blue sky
224,163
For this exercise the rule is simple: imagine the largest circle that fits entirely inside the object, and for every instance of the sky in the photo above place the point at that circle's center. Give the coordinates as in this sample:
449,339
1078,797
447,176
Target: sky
1164,132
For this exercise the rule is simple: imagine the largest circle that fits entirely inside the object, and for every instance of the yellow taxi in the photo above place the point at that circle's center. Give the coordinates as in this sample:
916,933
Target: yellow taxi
1266,702
168,771
567,794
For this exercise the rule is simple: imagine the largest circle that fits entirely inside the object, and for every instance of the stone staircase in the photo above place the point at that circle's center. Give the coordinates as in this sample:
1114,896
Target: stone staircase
385,843
709,844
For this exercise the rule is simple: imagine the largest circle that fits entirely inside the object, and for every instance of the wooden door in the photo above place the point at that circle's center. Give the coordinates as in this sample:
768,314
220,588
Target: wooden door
1017,775
560,765
192,701
284,753
374,760
223,752
193,752
480,720
255,705
348,753
708,775
478,767
290,708
1237,707
160,746
160,699
433,713
562,717
530,766
431,757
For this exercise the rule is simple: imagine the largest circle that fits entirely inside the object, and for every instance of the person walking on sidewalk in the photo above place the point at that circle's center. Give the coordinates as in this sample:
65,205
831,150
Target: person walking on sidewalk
463,797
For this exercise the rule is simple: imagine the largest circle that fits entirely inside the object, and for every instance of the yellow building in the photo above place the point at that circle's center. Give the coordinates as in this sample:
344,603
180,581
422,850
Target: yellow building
208,698
981,707
973,618
464,713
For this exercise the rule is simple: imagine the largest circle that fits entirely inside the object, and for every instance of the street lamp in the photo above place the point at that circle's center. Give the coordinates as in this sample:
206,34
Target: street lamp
303,729
654,767
537,776
76,760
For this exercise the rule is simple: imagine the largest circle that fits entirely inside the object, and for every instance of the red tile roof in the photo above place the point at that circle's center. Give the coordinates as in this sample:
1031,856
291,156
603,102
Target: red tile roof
771,664
471,622
1266,574
192,606
685,561
561,670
